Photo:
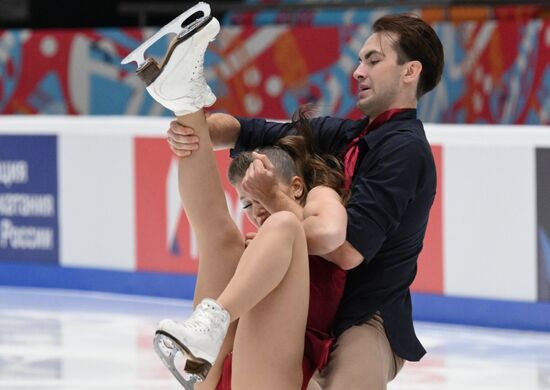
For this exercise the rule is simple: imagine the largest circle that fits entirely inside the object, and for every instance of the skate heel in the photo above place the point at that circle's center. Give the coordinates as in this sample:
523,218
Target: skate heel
174,27
148,71
200,368
186,368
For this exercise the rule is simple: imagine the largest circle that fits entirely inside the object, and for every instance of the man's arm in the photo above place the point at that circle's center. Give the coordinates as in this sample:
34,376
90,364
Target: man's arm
382,190
239,134
224,130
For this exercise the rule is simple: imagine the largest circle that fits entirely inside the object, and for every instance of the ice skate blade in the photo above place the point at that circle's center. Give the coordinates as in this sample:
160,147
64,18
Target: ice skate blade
195,370
151,69
174,27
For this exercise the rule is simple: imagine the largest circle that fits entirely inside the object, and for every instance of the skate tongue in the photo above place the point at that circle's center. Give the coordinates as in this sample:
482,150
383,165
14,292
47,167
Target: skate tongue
174,27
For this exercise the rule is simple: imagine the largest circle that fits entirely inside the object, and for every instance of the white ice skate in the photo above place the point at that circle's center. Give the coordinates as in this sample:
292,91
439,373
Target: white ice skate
178,81
198,339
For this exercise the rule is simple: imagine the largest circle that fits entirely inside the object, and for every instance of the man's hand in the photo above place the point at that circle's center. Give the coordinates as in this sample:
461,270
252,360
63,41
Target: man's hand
224,130
260,180
182,140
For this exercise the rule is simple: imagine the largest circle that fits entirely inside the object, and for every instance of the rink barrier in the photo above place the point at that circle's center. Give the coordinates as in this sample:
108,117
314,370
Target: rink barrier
91,203
492,313
157,284
427,307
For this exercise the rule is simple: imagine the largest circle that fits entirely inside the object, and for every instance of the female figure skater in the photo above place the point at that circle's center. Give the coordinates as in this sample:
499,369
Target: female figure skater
293,197
285,300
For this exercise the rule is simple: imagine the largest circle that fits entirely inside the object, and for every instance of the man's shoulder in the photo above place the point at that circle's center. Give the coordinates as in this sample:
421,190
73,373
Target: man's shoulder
400,133
349,127
333,134
404,146
409,125
336,121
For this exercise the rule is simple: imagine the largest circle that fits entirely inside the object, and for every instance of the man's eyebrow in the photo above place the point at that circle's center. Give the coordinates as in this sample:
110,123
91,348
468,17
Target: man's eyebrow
371,53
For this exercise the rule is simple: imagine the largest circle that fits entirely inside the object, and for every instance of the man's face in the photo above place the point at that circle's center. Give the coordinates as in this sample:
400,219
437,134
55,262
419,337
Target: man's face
378,75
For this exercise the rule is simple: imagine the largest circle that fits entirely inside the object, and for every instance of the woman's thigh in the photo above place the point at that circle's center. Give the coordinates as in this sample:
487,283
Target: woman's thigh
269,344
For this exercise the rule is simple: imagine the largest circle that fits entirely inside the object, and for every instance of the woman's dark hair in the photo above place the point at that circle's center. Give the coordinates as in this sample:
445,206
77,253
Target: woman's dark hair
416,40
294,155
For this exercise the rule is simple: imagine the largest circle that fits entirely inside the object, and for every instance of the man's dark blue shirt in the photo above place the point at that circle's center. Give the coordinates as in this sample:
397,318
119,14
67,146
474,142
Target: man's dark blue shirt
392,191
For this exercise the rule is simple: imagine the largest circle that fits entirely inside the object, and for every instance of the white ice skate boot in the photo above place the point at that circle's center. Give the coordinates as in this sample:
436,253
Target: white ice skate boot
199,339
178,82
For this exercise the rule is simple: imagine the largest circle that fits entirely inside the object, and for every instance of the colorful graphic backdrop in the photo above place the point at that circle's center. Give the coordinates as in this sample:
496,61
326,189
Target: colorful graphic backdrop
497,71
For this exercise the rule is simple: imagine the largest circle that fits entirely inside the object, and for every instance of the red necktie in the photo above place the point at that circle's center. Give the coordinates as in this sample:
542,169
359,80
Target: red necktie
352,150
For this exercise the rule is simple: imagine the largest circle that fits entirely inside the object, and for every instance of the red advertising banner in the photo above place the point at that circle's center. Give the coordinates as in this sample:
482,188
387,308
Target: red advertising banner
429,277
165,241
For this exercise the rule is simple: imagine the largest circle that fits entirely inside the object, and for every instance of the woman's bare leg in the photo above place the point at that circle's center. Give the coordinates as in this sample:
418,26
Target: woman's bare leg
270,294
220,243
219,240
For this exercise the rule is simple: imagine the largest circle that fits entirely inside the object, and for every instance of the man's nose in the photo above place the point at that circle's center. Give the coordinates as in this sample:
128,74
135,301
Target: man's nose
358,73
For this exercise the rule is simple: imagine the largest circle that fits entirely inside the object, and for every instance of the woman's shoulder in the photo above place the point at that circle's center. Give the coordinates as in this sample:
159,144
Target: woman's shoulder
321,193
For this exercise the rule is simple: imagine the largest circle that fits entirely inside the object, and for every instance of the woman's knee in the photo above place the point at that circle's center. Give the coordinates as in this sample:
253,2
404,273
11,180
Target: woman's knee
286,220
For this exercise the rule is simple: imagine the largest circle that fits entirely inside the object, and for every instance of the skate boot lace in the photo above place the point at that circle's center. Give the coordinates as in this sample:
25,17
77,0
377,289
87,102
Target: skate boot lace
205,319
198,67
197,80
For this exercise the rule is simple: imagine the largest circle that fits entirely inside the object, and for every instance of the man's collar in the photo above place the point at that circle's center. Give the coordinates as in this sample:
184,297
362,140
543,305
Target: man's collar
373,137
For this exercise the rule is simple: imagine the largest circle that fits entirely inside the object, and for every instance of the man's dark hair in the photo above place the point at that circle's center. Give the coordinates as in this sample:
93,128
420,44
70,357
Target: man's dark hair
416,41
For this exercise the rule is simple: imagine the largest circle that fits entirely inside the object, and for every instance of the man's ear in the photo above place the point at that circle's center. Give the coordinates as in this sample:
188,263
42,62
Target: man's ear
412,71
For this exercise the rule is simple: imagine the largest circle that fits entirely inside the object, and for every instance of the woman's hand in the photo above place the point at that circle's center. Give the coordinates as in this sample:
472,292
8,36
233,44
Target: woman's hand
248,237
260,180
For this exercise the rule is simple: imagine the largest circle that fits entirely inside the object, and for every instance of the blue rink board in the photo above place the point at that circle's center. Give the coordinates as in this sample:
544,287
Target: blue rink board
427,307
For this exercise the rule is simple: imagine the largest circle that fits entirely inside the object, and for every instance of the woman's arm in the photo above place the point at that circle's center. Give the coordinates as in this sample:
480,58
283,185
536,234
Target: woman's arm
325,221
325,224
345,256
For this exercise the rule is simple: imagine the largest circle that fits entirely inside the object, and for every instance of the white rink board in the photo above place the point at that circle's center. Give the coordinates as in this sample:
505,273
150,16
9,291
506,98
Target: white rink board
97,211
489,219
489,198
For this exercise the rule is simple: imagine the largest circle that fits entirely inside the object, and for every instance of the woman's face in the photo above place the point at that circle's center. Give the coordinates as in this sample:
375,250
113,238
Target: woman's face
255,211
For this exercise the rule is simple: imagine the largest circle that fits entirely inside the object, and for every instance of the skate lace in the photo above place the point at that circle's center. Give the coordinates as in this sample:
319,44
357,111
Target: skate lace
204,320
198,72
198,81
